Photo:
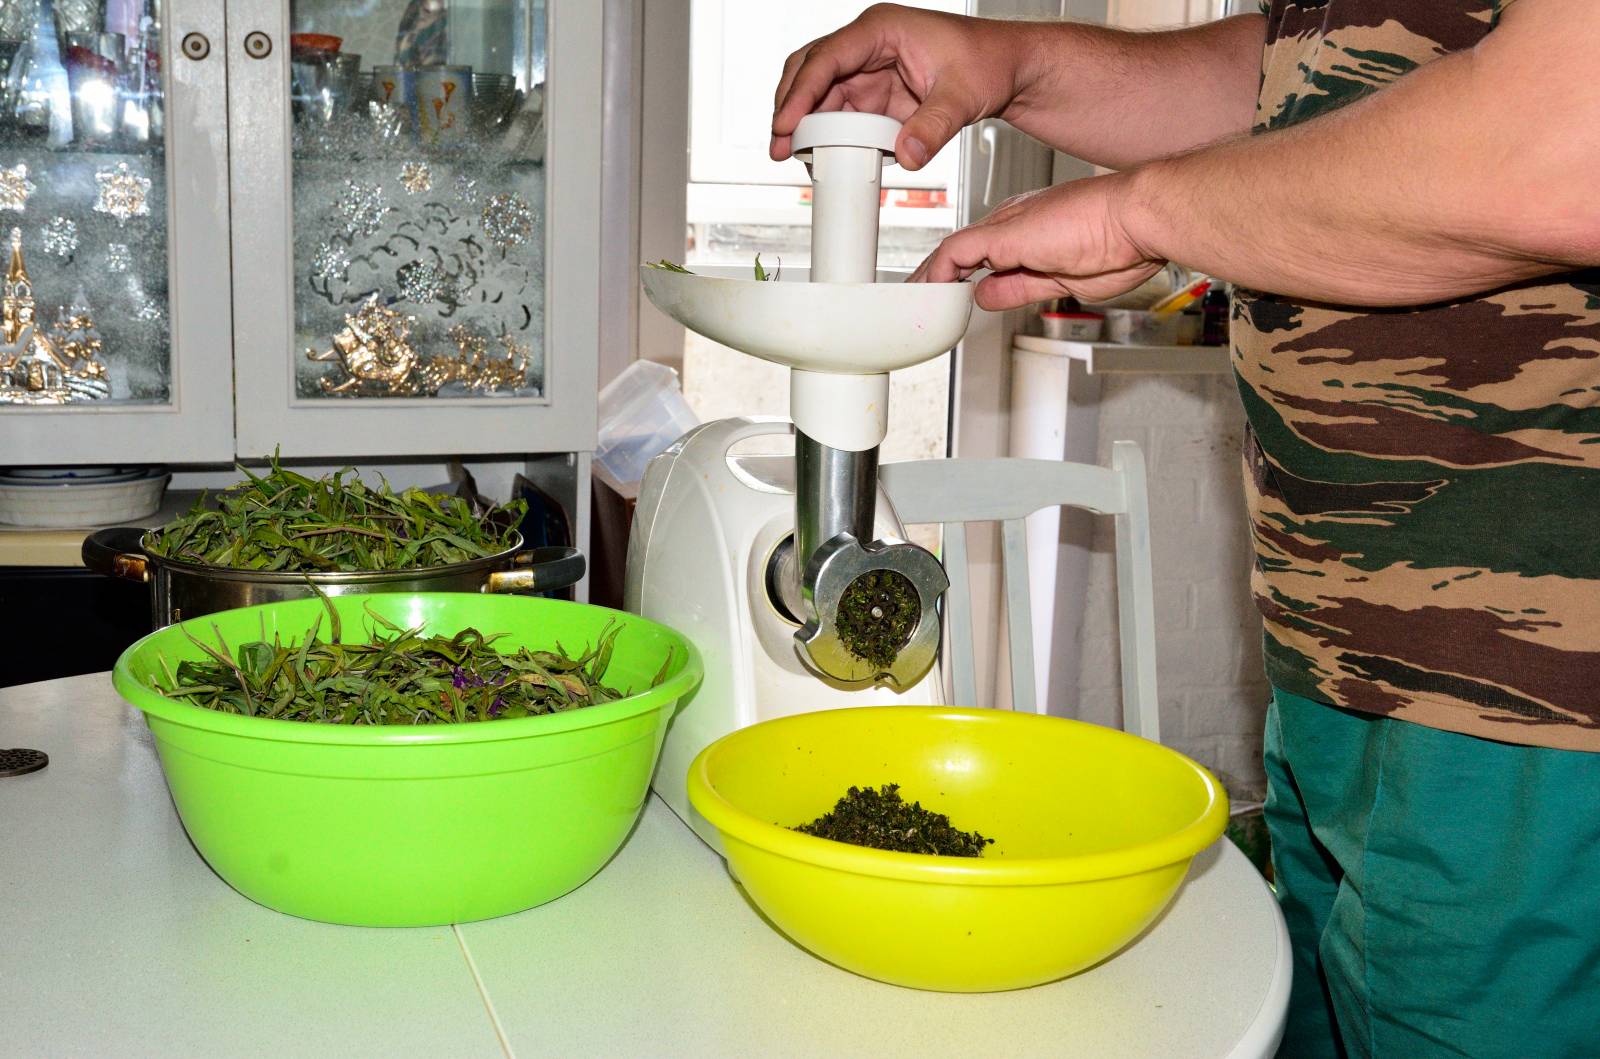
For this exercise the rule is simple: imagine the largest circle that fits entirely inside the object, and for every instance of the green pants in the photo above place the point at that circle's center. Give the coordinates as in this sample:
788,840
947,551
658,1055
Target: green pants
1442,892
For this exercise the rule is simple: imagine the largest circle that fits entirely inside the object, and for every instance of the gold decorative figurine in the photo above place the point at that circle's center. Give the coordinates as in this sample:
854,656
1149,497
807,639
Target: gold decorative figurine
374,351
40,368
477,370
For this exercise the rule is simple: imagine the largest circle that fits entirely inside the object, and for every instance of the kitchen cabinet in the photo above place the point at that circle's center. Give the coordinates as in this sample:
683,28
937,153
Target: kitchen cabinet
114,216
468,202
345,229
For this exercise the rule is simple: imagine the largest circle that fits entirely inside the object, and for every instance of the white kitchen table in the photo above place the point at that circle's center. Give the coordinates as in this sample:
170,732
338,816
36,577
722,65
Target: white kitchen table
117,939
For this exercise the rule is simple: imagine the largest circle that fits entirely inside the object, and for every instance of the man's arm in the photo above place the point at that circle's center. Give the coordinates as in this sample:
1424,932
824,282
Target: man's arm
1476,171
1473,172
1117,99
1110,97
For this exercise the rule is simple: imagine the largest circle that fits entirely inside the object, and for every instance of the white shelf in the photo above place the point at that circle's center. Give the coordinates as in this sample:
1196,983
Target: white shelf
29,546
1106,358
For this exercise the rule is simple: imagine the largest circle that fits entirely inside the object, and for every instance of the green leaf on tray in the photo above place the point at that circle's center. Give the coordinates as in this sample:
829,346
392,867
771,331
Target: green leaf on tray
760,273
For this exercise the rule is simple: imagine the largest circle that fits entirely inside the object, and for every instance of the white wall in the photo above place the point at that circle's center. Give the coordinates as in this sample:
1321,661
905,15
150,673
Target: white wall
738,52
1208,634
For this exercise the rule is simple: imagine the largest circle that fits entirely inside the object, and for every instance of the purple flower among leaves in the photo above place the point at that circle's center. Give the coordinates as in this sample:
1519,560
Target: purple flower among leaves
463,679
406,678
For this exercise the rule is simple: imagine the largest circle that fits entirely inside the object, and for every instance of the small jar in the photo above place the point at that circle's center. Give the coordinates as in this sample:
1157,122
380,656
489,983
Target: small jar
1072,326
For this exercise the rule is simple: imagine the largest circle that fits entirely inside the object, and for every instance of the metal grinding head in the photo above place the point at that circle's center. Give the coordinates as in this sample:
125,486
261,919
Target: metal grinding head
20,761
874,608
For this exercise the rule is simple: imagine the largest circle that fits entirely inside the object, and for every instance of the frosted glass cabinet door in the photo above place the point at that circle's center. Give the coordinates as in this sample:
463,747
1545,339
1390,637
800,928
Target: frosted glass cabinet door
114,312
416,190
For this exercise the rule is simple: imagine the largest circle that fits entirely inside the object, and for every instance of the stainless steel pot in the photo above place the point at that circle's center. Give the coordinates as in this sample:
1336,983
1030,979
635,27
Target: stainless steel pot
181,590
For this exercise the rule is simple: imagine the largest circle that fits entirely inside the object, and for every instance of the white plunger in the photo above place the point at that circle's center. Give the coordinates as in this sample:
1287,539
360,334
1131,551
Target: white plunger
846,153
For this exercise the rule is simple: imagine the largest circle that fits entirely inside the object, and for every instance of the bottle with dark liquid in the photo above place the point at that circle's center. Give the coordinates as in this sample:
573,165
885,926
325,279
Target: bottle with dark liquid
1214,308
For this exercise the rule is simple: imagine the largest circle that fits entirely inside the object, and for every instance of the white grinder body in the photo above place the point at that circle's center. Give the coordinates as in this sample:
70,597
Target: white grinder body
753,557
705,528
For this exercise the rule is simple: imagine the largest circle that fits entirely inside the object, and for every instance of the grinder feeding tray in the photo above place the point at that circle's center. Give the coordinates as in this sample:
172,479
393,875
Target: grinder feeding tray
867,608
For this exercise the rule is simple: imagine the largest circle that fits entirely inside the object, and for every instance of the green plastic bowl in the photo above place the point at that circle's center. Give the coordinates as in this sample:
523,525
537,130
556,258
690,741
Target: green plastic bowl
414,825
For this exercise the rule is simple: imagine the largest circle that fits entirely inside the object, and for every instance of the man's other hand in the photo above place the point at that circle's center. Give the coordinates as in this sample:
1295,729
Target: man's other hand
1058,241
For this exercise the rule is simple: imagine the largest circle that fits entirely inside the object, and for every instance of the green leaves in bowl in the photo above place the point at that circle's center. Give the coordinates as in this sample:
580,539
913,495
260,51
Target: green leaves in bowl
283,521
396,676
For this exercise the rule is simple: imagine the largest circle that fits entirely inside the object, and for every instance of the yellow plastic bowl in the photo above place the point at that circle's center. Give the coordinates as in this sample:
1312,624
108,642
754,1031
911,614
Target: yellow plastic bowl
1094,829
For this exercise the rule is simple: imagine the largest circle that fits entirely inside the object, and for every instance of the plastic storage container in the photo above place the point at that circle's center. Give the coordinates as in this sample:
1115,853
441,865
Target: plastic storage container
642,412
1190,325
1137,328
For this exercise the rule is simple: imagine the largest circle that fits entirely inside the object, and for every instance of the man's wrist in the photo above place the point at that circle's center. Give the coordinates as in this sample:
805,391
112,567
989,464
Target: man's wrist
1043,50
1138,200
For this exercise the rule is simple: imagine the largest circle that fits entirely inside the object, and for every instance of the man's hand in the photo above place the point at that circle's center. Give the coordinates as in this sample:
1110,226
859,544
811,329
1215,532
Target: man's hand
933,72
1063,240
1106,96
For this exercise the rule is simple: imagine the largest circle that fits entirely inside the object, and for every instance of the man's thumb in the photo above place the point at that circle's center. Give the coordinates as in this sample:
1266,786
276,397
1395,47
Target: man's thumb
943,114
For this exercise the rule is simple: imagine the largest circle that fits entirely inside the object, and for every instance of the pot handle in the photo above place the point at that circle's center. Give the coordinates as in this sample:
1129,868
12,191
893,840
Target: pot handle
117,552
539,570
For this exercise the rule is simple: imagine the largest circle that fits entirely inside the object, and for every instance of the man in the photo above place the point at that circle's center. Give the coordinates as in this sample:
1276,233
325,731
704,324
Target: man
1403,192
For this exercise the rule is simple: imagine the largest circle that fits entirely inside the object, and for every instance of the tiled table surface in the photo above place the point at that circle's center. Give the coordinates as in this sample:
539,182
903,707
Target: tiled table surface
116,938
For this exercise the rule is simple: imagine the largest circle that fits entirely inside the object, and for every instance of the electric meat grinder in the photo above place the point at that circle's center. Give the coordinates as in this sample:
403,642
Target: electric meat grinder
789,574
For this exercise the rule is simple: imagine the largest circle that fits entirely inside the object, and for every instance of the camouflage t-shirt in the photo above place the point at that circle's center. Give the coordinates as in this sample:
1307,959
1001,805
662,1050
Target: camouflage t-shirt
1423,484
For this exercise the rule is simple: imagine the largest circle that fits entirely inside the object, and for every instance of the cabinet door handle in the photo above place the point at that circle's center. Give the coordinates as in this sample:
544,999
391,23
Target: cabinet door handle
988,144
257,45
196,46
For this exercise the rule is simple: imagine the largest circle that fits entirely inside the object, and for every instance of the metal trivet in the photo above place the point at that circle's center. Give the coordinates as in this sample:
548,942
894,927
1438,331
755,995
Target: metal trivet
20,761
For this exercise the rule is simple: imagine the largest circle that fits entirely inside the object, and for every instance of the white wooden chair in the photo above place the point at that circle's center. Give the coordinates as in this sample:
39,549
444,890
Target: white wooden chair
955,492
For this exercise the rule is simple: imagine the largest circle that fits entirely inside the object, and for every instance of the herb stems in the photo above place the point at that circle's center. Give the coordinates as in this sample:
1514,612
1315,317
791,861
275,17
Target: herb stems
283,521
398,676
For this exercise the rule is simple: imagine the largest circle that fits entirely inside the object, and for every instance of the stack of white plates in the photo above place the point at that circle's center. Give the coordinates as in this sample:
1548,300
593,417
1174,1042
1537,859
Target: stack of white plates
72,497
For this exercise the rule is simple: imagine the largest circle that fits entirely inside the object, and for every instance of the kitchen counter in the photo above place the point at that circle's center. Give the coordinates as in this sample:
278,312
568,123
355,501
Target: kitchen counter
115,937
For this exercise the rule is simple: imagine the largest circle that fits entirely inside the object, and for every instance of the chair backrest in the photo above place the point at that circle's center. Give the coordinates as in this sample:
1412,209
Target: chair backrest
955,492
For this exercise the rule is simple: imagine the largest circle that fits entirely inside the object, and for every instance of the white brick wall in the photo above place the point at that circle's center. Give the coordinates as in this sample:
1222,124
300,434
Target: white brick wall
1208,649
